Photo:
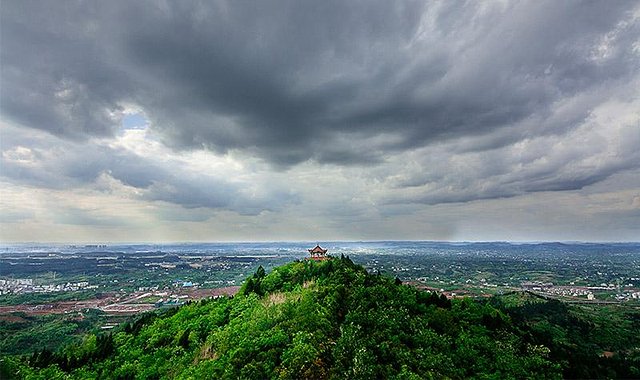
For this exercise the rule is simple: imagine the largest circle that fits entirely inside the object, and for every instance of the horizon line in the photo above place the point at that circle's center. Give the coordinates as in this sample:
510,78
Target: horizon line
316,241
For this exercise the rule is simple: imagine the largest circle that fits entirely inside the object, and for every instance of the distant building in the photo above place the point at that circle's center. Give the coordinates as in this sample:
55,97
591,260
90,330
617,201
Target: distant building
537,286
318,253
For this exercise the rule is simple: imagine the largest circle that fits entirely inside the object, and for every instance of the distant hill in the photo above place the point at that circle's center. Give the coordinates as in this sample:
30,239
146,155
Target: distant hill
332,319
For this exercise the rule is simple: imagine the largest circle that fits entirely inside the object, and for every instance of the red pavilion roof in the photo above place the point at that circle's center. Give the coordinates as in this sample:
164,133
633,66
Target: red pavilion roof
317,250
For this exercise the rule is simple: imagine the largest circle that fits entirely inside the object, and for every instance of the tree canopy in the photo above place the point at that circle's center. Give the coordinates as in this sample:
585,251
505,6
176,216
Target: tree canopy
314,320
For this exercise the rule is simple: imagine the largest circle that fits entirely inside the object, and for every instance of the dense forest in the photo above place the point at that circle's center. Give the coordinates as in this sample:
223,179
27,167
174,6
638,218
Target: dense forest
333,319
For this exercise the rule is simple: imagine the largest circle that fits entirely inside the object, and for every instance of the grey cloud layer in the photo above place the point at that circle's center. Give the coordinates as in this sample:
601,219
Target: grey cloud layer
343,83
51,163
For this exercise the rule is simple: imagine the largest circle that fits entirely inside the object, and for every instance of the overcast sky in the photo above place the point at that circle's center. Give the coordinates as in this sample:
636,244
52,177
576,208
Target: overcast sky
319,120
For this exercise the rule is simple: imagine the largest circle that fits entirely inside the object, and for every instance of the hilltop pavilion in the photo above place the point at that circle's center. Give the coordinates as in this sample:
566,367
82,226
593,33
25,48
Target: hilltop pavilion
318,253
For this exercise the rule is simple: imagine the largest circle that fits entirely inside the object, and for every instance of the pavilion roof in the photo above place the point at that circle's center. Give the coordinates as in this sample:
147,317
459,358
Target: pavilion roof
317,249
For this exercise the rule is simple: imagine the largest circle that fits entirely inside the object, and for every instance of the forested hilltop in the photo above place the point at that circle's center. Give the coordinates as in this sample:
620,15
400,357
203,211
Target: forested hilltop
333,319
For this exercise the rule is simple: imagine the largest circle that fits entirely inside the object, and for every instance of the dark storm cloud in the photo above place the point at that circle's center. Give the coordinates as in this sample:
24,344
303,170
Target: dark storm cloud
280,80
56,74
341,83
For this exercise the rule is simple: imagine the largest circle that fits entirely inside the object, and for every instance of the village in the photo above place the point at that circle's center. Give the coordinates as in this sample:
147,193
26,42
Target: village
28,285
608,292
125,304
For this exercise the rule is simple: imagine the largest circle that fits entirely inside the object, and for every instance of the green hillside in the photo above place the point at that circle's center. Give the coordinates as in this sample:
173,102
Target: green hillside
332,319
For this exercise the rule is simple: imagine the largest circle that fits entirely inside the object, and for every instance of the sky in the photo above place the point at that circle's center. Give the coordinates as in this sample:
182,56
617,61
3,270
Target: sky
167,121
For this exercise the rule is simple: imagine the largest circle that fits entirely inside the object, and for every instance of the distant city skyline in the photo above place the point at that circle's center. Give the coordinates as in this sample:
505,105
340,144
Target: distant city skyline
310,121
